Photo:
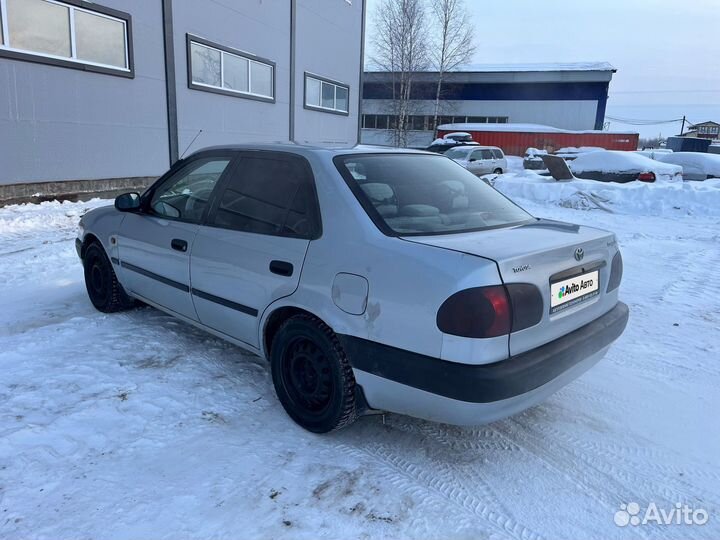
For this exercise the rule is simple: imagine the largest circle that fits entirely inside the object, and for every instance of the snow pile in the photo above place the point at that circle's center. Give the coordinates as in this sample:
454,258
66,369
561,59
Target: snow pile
514,164
17,222
614,161
639,198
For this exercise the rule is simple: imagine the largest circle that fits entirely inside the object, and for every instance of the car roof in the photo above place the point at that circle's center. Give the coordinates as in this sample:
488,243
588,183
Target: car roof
309,149
475,147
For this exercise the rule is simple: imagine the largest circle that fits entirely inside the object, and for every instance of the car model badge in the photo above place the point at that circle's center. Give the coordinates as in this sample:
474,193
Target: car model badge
579,254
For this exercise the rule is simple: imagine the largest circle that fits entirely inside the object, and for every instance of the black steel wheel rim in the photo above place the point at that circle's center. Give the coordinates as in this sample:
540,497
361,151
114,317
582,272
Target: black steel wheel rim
307,376
97,278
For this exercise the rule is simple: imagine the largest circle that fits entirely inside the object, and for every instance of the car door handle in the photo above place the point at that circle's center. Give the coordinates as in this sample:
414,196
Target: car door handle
281,268
178,245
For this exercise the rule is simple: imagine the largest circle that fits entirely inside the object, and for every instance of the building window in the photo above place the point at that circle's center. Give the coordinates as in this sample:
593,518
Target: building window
326,95
219,69
473,120
80,35
425,123
369,121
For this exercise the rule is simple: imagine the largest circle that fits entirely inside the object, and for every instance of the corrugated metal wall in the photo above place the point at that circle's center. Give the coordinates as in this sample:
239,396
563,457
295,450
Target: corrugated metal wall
516,143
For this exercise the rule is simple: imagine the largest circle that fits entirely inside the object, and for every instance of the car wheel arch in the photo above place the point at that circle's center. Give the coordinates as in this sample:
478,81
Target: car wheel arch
274,321
89,239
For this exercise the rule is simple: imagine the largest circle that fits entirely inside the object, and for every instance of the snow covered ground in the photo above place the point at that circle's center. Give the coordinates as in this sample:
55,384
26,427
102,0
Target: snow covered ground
135,425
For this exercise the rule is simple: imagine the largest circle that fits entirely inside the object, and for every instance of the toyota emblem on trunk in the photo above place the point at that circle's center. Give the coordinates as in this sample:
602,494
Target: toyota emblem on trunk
579,254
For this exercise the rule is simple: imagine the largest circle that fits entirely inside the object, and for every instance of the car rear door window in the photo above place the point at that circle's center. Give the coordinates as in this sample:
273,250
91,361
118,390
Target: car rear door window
486,154
269,194
497,154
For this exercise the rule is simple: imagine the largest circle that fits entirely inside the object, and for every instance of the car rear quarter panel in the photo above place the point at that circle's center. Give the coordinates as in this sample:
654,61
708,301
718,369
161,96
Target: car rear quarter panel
407,282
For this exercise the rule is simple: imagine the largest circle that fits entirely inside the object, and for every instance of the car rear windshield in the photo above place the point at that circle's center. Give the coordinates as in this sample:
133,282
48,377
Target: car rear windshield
416,194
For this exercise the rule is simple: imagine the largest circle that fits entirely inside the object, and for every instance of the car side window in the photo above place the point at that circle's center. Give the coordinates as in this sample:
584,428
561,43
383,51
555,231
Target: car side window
269,194
486,154
185,195
497,154
477,154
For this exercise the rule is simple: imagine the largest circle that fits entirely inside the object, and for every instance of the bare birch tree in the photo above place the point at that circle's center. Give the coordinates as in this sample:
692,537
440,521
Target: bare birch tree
452,42
401,48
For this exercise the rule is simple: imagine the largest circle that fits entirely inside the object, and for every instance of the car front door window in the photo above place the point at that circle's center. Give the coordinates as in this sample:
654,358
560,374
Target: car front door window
185,195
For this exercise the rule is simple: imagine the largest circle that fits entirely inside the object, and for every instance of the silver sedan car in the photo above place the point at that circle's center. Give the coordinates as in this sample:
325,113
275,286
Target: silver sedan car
371,279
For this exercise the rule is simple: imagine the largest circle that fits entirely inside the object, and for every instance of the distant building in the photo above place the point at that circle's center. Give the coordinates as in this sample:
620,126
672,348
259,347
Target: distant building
566,96
704,130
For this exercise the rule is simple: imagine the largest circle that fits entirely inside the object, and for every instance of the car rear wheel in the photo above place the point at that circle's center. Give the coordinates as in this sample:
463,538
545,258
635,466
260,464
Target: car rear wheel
312,375
498,171
103,287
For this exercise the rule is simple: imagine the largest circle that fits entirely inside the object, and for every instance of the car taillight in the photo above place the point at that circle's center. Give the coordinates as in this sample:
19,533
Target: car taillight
485,312
646,177
527,305
616,272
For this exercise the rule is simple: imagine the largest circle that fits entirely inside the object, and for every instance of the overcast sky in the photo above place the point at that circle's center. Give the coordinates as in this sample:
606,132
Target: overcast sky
667,52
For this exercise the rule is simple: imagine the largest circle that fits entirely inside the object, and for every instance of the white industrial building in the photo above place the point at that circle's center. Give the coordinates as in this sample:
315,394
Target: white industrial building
567,96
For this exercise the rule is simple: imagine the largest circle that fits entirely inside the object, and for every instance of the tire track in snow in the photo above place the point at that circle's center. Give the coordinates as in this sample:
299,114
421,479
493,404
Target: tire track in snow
558,466
420,481
607,479
468,442
637,458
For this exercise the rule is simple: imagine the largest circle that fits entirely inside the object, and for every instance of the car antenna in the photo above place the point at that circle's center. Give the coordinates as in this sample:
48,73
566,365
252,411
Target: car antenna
191,143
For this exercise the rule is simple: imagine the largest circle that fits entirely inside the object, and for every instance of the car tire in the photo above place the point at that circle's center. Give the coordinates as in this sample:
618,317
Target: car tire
103,287
498,171
312,376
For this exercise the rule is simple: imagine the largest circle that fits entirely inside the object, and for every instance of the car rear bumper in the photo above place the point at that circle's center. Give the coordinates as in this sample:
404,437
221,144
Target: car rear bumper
409,383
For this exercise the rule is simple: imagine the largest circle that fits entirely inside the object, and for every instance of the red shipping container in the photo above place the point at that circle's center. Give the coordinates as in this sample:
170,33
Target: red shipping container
515,140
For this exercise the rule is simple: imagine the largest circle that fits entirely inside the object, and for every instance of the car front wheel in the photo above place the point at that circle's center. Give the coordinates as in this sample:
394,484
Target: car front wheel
103,287
312,375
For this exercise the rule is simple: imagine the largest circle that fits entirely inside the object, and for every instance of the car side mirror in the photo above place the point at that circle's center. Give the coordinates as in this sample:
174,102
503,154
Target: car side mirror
472,159
127,202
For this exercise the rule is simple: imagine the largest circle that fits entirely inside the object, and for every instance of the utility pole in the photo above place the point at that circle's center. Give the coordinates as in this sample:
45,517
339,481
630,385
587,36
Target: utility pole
682,129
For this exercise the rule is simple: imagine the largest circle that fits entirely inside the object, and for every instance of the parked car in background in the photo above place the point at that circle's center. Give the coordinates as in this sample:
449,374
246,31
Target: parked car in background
570,153
652,152
453,303
451,140
479,160
533,159
695,165
443,146
459,136
621,166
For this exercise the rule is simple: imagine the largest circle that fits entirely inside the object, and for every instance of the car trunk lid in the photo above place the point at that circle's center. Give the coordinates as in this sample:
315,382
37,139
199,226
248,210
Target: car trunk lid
550,255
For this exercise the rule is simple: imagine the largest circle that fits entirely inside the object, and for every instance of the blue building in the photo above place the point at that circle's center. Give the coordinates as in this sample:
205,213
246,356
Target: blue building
567,96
